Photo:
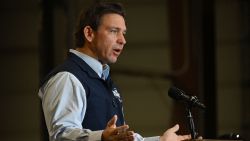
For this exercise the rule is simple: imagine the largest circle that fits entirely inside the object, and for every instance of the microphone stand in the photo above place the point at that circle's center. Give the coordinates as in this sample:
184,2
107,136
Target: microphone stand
191,121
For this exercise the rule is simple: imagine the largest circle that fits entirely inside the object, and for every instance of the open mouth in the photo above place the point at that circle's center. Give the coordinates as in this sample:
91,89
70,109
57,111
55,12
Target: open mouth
117,51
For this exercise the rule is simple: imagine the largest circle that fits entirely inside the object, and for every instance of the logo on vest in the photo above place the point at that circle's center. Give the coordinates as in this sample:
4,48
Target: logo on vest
117,94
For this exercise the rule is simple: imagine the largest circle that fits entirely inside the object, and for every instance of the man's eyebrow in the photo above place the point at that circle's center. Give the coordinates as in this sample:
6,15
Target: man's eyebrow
117,28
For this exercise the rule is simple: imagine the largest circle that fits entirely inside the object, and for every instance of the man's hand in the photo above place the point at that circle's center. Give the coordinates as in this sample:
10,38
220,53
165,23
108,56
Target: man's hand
113,133
170,135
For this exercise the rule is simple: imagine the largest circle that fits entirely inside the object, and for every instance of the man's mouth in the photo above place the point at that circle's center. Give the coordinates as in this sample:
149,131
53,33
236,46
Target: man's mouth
117,51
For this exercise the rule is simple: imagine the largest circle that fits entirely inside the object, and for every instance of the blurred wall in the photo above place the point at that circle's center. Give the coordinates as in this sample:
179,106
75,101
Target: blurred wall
19,32
228,66
232,31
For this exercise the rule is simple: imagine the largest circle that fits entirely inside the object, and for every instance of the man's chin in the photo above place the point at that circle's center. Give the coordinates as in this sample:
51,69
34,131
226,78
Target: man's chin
112,61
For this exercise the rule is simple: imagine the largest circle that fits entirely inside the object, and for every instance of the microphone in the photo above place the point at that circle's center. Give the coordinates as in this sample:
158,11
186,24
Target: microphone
179,94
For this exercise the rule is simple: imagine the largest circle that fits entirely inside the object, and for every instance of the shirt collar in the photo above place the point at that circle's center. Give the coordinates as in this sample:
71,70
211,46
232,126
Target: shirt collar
105,71
93,63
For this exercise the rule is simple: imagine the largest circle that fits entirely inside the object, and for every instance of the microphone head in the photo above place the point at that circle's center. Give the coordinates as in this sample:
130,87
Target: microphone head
177,94
180,95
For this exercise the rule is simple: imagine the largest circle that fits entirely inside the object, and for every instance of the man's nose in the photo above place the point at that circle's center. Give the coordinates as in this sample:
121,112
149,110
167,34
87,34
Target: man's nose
121,39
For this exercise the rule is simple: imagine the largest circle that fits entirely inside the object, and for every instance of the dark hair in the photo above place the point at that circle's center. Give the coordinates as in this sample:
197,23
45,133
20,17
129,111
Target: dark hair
93,16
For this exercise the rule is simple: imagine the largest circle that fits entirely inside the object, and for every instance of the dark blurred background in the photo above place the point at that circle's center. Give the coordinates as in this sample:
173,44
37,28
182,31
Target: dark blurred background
200,46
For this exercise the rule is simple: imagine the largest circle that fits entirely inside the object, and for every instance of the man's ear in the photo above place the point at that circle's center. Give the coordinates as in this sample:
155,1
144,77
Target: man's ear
88,33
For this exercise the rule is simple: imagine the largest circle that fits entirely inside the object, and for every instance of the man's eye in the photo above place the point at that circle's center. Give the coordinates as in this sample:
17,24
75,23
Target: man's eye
113,30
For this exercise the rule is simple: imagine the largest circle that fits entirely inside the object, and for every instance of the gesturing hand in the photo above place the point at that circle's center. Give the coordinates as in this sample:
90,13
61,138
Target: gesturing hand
170,135
113,133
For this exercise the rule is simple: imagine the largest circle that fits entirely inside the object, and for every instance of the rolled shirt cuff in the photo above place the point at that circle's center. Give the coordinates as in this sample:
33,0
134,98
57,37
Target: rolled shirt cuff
95,135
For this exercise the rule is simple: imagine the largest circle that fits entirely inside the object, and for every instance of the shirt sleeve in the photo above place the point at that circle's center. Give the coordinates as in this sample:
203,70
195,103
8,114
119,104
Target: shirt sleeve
64,105
138,137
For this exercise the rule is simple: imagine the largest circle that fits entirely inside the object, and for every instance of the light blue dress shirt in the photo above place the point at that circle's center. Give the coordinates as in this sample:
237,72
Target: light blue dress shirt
64,104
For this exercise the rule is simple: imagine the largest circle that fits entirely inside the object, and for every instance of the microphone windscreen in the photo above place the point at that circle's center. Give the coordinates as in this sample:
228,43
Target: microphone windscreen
176,93
180,95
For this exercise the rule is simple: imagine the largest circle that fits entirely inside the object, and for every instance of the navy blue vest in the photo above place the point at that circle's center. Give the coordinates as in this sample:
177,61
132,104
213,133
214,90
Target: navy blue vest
102,101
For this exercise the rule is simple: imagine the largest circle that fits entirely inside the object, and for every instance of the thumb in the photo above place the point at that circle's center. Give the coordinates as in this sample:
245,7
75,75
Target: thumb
174,128
112,122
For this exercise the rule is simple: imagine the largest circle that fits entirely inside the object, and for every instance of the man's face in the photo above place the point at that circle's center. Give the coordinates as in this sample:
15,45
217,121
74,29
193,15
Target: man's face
109,38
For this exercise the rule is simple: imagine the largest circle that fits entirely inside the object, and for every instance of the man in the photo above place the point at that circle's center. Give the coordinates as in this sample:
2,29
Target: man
79,99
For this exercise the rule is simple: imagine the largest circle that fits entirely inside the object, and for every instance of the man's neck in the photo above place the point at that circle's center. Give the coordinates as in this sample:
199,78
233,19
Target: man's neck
89,52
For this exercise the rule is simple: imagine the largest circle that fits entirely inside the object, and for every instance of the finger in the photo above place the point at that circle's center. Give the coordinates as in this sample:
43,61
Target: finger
119,130
112,121
174,128
131,138
128,138
125,136
122,128
200,138
184,137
